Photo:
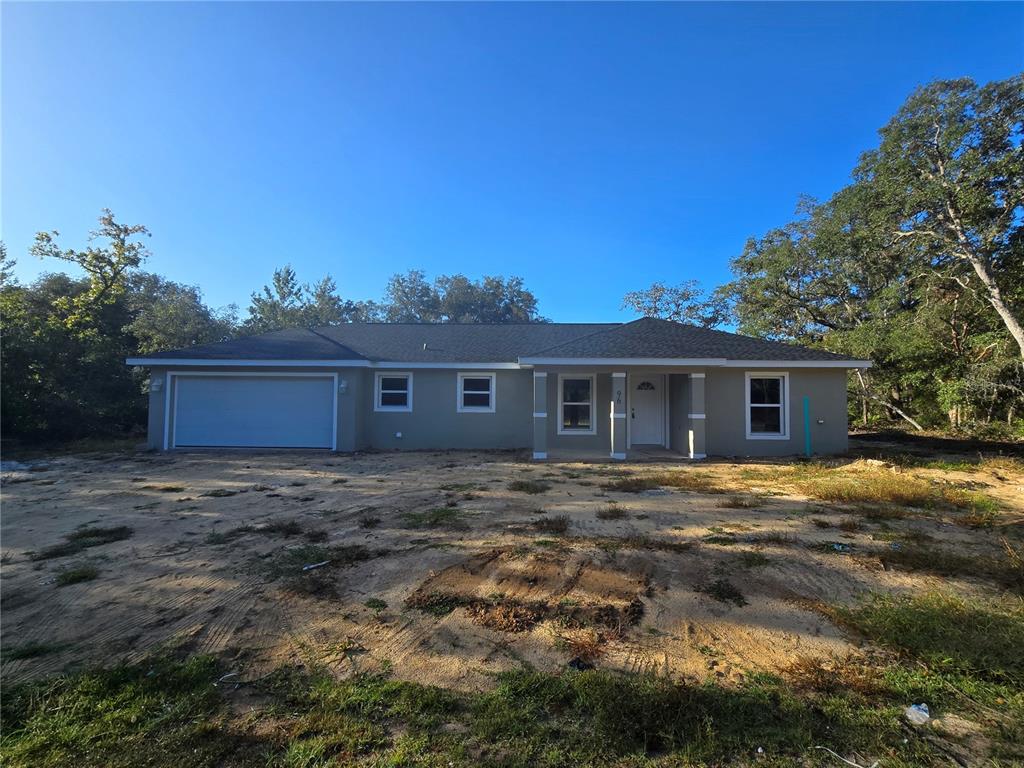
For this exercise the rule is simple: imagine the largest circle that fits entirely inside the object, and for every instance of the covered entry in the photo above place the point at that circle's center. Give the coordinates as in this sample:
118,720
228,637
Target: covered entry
240,410
647,400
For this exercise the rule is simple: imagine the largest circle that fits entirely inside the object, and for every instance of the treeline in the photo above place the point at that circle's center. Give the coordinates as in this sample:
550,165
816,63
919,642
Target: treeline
917,265
65,339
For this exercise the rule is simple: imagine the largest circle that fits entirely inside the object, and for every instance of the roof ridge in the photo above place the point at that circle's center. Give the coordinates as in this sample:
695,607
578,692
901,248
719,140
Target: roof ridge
338,344
617,326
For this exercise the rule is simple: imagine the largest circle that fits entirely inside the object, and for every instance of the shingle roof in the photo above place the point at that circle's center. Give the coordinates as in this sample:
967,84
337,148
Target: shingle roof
650,337
508,342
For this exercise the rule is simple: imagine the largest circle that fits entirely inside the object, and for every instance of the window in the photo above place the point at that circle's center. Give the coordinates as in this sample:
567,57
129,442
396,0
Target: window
576,405
767,412
393,392
476,393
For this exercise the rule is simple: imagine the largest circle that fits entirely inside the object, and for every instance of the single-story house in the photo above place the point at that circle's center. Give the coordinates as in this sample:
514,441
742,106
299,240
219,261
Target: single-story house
562,390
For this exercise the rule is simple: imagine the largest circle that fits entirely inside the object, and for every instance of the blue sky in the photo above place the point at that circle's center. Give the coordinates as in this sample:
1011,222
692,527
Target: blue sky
589,148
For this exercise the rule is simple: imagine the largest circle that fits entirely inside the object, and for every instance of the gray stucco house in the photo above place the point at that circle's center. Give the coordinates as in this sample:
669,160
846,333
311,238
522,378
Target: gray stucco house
562,390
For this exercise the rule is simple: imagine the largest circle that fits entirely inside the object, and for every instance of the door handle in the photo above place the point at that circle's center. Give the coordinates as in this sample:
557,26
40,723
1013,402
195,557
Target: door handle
632,413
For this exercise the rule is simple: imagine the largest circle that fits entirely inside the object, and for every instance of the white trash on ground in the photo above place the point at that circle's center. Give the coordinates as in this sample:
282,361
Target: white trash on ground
917,714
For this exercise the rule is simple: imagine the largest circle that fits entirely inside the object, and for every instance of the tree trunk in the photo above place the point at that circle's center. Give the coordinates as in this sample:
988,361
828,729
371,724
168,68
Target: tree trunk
995,296
890,406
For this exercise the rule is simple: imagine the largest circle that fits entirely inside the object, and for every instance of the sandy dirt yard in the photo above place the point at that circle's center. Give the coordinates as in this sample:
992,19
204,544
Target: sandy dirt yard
444,567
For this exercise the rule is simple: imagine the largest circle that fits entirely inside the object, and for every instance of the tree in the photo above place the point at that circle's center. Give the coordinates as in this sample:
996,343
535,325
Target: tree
916,265
107,268
169,315
949,182
683,303
410,298
286,303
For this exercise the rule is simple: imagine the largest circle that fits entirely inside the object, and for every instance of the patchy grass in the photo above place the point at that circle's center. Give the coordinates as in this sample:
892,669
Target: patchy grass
947,632
558,524
30,651
439,517
220,493
77,575
290,561
82,539
752,559
722,590
612,512
842,485
369,521
529,486
1005,569
682,479
739,502
375,604
166,713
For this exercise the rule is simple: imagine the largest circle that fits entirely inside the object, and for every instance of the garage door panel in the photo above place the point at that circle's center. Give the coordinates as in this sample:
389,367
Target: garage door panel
254,411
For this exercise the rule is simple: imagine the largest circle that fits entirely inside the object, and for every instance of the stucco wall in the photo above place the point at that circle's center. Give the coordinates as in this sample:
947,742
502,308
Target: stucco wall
436,423
602,439
726,417
678,408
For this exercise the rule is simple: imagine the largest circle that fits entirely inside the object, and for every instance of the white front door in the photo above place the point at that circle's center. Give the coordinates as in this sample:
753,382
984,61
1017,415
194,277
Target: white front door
646,406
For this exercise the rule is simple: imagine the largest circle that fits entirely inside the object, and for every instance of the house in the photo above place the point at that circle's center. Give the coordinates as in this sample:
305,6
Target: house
563,390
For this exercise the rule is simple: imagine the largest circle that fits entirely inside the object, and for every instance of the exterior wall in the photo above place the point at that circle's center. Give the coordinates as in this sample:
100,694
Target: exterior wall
601,409
157,400
678,408
726,417
435,422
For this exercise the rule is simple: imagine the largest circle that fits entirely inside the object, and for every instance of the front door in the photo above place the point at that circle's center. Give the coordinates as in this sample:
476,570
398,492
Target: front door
647,415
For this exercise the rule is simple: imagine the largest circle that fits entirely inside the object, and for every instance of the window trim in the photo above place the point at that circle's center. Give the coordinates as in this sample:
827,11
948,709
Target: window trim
783,405
378,377
460,406
592,403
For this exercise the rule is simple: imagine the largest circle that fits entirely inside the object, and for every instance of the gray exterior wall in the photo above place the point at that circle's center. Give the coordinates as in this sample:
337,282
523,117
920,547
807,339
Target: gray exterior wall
435,423
678,405
601,440
726,413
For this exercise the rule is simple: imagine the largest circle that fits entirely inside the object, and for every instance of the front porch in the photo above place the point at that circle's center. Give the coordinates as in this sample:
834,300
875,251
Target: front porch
645,414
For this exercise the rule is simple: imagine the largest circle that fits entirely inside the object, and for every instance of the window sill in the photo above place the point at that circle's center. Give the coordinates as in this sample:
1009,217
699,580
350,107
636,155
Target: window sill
581,432
387,409
767,437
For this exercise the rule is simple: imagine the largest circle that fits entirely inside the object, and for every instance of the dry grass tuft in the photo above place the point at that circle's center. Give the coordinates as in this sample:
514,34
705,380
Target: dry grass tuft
685,480
612,512
558,524
834,676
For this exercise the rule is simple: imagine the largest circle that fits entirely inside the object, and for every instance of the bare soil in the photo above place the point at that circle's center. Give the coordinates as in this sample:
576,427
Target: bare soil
433,568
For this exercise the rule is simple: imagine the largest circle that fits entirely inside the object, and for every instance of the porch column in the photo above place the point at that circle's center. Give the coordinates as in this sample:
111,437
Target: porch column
697,418
618,415
540,415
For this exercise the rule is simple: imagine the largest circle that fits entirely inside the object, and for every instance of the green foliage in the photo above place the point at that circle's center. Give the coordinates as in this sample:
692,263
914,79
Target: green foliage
980,639
65,339
457,299
918,265
286,303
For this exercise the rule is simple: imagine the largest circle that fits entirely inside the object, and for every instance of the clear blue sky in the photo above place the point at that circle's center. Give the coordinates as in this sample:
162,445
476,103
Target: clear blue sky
590,149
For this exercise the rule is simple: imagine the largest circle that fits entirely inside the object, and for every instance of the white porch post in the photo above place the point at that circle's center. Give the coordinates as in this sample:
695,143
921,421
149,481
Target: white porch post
697,418
617,415
540,415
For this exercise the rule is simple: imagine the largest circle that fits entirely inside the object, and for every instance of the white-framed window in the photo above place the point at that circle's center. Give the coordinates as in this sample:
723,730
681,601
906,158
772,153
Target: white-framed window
767,405
392,391
476,392
576,393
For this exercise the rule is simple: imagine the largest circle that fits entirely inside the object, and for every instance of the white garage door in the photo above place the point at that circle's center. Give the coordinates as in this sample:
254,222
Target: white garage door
264,411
